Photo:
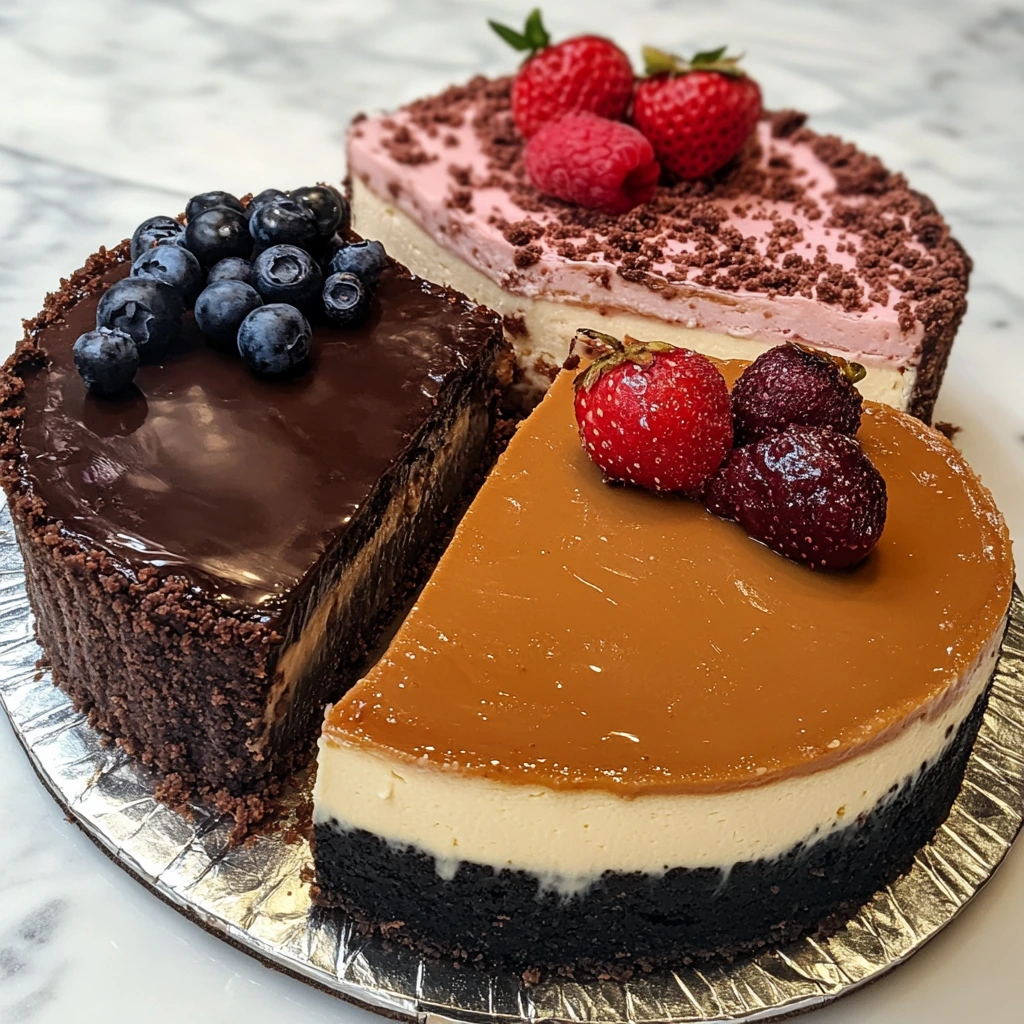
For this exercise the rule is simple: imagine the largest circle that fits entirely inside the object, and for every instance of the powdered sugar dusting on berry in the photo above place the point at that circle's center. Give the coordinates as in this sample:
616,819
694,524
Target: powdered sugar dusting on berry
809,493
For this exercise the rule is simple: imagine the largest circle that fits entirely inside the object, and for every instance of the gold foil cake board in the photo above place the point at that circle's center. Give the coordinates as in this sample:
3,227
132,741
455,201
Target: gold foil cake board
257,896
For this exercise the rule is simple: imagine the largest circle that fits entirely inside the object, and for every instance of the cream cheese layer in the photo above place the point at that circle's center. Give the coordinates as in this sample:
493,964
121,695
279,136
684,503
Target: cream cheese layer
572,837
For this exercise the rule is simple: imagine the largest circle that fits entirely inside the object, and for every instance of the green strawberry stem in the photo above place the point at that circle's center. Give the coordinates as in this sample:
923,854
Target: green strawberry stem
659,62
612,353
532,39
853,372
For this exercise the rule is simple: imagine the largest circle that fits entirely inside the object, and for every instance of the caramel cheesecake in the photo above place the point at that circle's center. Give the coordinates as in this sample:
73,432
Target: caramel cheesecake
802,238
210,555
615,731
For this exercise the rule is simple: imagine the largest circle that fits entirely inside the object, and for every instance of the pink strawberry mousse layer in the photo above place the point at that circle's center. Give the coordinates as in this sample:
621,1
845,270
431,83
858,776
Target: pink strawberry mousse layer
444,177
422,190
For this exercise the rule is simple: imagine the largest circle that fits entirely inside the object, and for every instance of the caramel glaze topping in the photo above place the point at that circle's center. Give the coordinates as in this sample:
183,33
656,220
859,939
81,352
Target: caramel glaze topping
579,635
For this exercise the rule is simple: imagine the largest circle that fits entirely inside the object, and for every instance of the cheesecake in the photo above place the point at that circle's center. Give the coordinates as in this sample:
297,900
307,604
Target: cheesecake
211,555
615,732
802,238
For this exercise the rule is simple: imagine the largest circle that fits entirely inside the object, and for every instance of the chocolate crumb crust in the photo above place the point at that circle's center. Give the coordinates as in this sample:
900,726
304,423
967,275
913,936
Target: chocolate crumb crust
182,678
628,923
903,254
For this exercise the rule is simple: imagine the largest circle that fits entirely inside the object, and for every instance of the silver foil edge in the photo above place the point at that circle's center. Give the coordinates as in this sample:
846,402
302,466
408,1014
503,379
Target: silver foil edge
255,896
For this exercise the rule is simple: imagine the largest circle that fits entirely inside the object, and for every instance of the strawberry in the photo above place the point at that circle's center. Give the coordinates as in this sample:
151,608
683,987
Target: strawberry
653,415
809,493
697,113
585,73
588,160
793,383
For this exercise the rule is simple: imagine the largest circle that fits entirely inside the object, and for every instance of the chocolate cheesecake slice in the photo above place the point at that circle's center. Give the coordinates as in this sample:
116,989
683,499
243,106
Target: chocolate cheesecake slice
205,555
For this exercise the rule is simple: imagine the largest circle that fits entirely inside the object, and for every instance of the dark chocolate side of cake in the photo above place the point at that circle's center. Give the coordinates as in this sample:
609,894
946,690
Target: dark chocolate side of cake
184,680
371,574
625,922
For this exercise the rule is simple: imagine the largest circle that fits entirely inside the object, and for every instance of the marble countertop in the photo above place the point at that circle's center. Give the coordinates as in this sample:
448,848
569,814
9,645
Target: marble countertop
115,110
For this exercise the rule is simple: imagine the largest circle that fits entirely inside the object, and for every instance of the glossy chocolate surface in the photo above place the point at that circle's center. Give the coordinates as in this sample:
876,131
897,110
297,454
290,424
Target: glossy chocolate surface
238,483
577,634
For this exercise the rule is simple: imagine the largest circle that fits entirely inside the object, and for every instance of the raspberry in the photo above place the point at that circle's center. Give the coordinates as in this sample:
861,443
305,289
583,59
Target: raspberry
795,384
652,415
593,162
583,74
698,113
808,493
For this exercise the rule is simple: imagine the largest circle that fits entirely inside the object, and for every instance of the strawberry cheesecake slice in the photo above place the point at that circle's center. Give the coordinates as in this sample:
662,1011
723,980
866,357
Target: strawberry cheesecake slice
801,237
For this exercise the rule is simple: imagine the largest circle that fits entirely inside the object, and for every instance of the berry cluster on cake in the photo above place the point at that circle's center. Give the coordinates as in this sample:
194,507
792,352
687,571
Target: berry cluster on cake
707,222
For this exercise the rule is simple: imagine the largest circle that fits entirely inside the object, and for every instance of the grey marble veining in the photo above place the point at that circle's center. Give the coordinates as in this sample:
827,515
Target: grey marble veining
114,110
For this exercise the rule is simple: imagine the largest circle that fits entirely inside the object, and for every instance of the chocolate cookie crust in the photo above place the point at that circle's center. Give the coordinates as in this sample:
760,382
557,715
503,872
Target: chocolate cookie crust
184,670
628,922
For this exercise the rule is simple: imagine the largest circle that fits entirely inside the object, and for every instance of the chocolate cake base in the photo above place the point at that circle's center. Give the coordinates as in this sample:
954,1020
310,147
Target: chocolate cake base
507,920
209,739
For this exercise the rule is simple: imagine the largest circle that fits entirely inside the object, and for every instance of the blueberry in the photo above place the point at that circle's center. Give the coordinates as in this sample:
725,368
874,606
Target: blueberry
173,265
329,208
216,234
147,310
274,340
210,201
330,250
365,259
285,273
221,308
151,231
346,299
264,197
107,360
283,221
234,268
178,239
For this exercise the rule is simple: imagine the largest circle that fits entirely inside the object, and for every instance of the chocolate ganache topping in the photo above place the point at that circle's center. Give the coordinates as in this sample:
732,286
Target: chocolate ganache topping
204,470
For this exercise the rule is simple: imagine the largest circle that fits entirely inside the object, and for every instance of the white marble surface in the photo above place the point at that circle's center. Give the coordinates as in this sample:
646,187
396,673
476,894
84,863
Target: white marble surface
114,110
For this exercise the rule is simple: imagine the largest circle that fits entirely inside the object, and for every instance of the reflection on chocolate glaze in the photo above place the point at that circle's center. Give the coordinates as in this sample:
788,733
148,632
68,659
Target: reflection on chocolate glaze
118,417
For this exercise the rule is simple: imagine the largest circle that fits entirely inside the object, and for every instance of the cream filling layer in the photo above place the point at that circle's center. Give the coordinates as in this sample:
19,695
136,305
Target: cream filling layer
549,325
570,837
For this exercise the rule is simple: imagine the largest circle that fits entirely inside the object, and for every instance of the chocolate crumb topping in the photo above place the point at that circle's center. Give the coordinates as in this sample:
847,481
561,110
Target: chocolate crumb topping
460,199
515,325
405,149
888,245
522,232
785,122
462,175
527,256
